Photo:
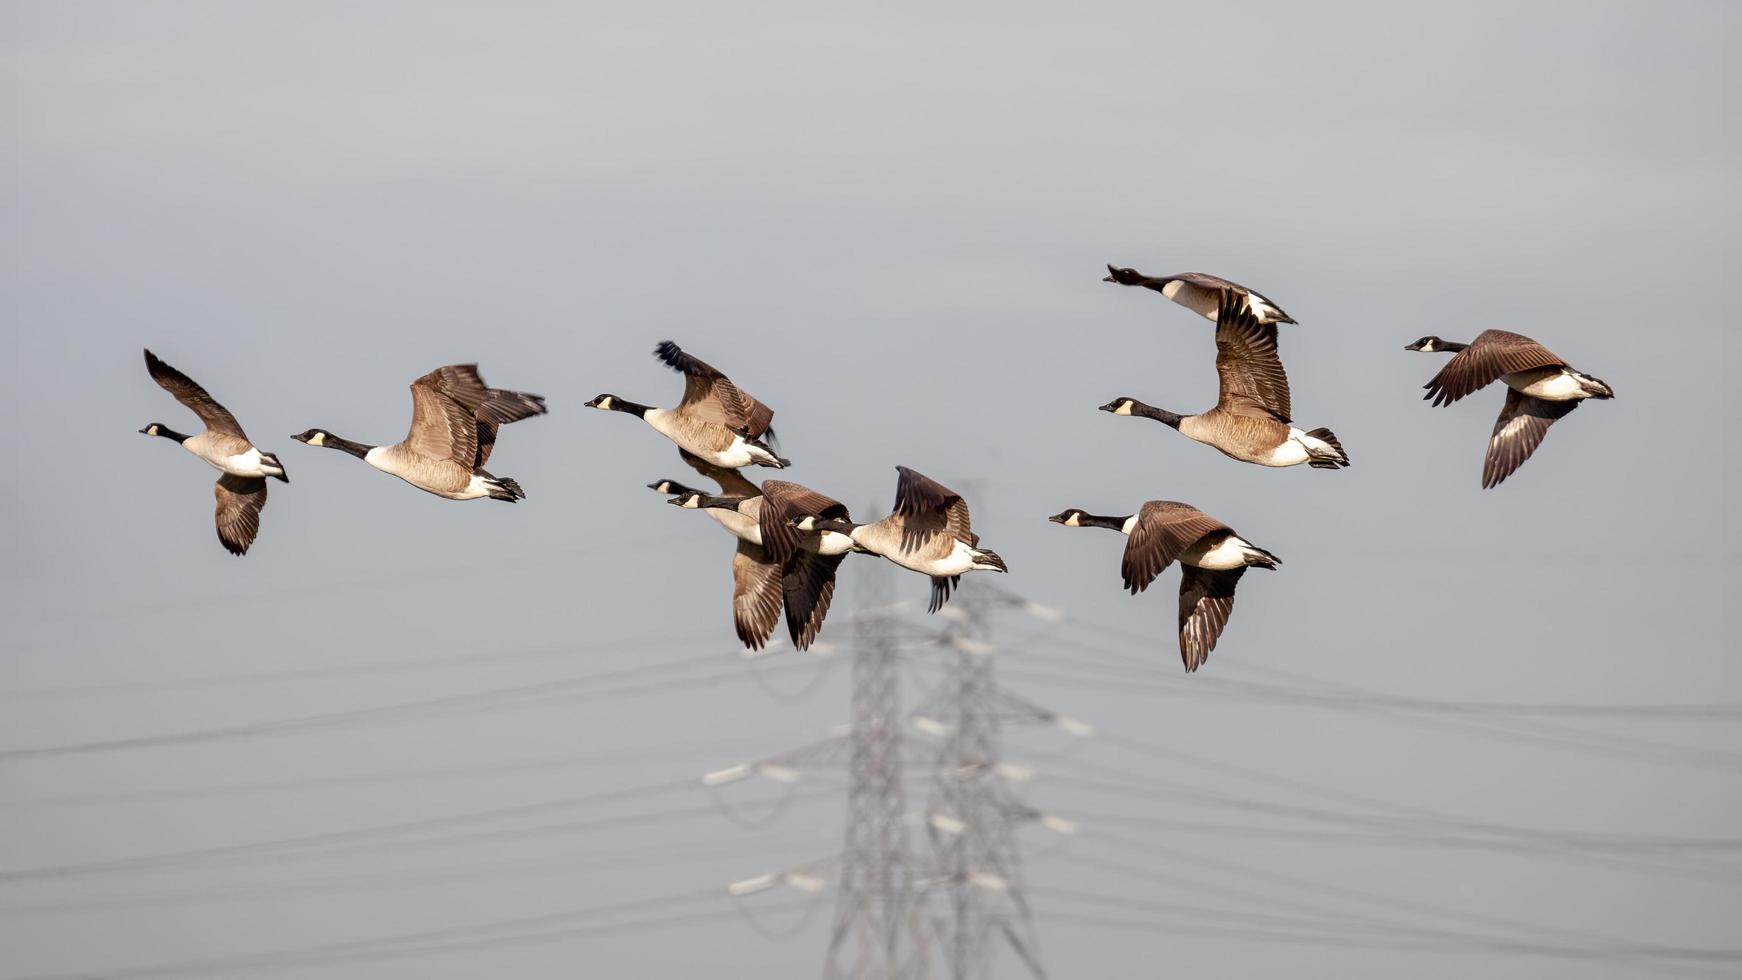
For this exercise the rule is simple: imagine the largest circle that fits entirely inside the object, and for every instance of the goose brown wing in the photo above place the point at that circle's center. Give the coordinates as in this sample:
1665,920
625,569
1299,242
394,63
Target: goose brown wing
1206,598
711,396
240,501
808,587
1164,530
491,407
927,508
1492,355
732,482
189,393
441,428
1519,430
756,594
1253,382
782,501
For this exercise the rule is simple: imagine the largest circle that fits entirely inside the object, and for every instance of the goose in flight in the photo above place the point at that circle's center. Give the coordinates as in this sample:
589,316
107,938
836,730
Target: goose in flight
241,491
1250,421
1212,558
454,421
928,533
775,564
1540,390
716,420
1202,293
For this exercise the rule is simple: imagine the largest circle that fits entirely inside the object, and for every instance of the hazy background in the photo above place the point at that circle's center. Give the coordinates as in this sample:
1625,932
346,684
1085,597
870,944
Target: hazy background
891,227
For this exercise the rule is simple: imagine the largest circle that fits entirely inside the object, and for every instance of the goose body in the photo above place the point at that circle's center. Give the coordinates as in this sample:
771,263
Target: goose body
241,491
1202,293
1212,559
1541,389
929,533
455,419
1250,421
717,422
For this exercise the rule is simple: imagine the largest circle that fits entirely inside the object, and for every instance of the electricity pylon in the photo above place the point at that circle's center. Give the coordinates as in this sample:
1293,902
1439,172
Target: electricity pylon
877,931
972,815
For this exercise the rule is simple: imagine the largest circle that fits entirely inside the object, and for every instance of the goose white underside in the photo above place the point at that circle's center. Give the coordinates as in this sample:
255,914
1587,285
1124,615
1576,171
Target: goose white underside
250,463
1561,386
1263,310
1231,552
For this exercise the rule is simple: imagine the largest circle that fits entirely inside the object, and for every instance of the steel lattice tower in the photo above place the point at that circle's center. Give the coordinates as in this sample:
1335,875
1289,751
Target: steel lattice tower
877,933
972,815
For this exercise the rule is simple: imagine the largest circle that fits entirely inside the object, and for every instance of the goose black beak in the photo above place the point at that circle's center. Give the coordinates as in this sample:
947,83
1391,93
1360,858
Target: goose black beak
300,437
145,431
1112,406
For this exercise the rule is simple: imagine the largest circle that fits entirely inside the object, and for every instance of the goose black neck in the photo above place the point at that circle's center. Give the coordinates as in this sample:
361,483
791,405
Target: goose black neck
356,449
166,432
633,408
1449,346
1161,415
1112,523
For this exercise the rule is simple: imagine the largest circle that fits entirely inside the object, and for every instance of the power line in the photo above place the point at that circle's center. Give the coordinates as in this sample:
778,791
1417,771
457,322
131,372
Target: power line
700,850
1512,731
429,942
1320,889
521,695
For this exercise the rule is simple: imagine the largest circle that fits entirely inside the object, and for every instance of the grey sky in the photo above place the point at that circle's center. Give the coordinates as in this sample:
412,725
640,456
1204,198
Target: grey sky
305,206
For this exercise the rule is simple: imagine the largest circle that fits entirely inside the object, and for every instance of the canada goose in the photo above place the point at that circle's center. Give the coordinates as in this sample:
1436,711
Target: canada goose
801,567
1212,558
717,420
454,420
929,533
1201,293
1250,422
241,491
1541,388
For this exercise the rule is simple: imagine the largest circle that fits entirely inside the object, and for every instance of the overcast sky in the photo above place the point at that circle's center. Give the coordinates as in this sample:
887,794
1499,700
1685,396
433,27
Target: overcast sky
891,228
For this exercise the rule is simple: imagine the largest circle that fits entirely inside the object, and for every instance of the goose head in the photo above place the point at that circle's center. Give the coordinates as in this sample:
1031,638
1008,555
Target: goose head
159,429
1070,517
1124,277
670,486
1427,345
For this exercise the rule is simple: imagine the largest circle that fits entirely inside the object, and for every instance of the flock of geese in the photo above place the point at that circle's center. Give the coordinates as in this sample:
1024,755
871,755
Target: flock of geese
791,539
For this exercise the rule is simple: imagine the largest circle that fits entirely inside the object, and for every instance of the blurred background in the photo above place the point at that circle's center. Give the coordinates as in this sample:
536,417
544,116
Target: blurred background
405,737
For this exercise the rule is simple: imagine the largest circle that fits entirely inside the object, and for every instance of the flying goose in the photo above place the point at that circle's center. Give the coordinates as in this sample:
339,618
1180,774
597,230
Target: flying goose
1540,389
1212,558
717,420
929,533
1201,293
454,421
241,491
1250,421
775,562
